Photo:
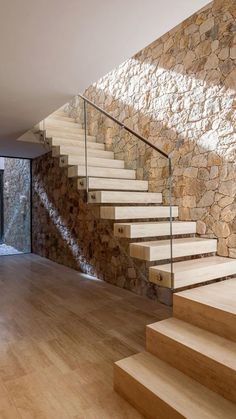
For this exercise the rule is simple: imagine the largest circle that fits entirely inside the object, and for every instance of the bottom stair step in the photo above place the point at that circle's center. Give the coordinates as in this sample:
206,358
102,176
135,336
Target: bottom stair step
191,272
160,391
204,356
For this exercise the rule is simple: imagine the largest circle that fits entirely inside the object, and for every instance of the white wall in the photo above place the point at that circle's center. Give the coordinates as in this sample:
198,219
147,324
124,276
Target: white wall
53,49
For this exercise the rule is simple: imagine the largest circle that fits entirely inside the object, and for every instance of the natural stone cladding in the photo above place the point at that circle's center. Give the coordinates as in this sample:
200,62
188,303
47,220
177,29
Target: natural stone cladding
17,211
179,92
69,231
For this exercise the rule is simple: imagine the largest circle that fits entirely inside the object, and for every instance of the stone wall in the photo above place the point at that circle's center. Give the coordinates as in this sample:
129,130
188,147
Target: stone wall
17,204
179,92
69,231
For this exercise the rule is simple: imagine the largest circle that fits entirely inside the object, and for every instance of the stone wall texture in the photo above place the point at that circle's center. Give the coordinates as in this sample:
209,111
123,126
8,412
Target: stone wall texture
180,93
69,231
17,208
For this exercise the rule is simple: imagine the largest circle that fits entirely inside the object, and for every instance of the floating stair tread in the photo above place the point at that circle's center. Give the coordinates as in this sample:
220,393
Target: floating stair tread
59,124
115,184
78,151
161,391
92,161
128,213
221,295
124,196
150,229
77,145
77,171
79,138
159,250
194,271
209,344
66,133
55,117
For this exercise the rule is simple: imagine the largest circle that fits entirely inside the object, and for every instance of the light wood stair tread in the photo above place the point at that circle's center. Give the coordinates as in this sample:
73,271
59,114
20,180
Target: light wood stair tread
204,356
55,117
78,171
66,133
91,161
70,140
59,123
124,196
221,295
211,307
161,391
125,212
194,271
209,344
150,229
76,146
109,183
159,250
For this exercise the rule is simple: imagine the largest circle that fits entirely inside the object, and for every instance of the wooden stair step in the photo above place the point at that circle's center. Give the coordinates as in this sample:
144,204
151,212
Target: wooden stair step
78,171
92,161
194,271
204,356
160,391
80,152
60,124
114,184
153,229
211,307
128,213
53,132
160,250
59,141
110,197
56,117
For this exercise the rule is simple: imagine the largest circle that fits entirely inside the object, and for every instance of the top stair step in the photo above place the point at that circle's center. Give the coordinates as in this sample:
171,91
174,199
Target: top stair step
64,118
212,307
192,272
120,197
161,391
64,133
64,125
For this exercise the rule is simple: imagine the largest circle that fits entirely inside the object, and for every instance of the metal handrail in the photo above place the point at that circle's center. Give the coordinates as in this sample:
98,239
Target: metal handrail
121,124
144,140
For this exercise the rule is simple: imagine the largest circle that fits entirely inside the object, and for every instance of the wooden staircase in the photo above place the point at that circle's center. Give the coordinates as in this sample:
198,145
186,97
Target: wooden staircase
138,214
189,367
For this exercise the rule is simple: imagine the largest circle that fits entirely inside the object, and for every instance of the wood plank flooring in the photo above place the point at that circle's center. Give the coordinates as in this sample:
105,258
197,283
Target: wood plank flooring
60,334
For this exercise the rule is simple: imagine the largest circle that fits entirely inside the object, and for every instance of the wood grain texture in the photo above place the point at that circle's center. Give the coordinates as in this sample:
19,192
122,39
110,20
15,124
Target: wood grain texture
204,356
212,307
160,391
61,332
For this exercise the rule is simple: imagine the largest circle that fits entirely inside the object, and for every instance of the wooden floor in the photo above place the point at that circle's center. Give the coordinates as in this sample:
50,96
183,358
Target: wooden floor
60,333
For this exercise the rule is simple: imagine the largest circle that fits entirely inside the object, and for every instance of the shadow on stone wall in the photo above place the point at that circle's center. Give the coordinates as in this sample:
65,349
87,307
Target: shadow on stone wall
179,92
69,231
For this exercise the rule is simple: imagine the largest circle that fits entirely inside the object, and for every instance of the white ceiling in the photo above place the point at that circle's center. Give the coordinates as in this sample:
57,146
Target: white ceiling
53,49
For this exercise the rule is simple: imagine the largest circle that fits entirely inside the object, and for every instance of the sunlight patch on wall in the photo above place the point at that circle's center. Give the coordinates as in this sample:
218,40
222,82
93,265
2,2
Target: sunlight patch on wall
193,108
